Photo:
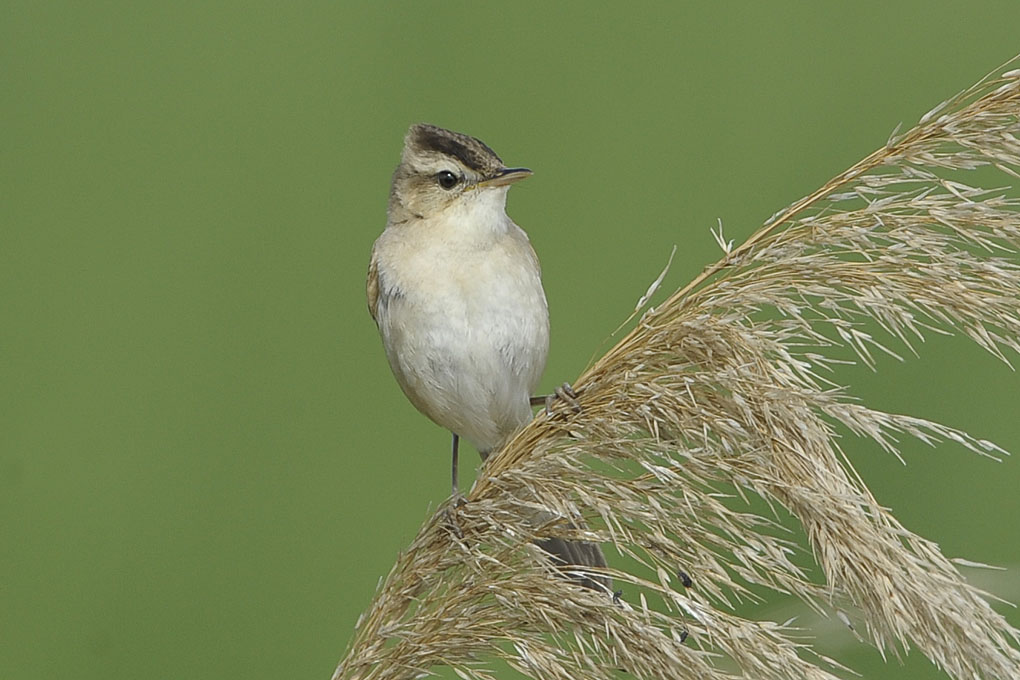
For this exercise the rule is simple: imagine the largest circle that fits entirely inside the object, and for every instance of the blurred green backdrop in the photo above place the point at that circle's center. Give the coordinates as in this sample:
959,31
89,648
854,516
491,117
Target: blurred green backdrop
205,464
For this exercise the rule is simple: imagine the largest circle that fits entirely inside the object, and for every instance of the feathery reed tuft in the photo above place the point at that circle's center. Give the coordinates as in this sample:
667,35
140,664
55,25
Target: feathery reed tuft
720,388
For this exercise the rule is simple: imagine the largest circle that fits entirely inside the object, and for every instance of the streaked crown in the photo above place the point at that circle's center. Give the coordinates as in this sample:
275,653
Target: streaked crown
424,140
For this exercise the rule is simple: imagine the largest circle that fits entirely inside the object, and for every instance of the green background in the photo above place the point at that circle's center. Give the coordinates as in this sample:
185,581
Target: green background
205,464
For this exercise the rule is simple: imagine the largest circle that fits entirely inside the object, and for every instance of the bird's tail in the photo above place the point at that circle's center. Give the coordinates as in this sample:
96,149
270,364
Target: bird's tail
578,554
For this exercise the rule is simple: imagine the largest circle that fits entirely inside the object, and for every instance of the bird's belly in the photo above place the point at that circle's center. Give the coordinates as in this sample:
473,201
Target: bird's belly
469,353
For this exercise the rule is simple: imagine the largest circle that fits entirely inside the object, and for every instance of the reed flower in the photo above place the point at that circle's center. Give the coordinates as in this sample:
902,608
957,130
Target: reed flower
730,387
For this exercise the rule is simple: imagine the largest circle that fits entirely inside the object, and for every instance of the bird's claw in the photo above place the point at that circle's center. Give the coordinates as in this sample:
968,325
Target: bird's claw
566,394
457,501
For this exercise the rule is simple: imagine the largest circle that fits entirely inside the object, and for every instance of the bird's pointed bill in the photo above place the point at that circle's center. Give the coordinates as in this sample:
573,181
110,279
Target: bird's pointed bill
504,177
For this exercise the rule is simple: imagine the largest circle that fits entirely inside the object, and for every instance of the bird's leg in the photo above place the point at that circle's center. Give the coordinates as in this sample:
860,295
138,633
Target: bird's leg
455,469
564,393
457,499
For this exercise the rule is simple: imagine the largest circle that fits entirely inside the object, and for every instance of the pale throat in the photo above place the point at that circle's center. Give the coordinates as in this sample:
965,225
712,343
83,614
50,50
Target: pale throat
479,214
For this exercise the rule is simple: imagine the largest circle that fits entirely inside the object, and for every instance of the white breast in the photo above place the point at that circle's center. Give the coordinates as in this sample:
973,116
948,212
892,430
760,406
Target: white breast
464,319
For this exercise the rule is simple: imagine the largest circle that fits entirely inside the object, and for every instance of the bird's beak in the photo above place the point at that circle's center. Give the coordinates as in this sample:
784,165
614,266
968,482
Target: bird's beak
504,177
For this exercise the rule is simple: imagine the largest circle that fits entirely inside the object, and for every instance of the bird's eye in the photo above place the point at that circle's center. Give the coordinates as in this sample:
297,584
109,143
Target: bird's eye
447,179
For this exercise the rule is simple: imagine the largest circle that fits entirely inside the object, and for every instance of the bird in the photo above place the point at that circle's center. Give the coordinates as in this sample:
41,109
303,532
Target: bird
455,289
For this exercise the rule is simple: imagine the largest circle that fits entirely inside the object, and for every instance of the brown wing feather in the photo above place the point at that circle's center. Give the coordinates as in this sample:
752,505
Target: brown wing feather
372,286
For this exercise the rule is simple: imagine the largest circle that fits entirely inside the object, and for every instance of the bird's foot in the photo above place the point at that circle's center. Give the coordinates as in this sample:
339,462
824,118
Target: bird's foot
564,393
457,501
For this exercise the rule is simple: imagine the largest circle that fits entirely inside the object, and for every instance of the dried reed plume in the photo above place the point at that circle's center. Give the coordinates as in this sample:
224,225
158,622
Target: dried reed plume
719,389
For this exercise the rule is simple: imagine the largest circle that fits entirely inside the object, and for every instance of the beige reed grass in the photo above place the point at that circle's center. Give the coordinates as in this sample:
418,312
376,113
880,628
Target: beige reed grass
717,389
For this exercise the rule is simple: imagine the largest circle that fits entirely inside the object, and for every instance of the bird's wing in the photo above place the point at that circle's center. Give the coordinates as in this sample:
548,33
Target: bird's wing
372,286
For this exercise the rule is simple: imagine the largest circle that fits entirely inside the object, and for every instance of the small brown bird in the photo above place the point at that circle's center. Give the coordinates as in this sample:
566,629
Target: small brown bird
456,291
